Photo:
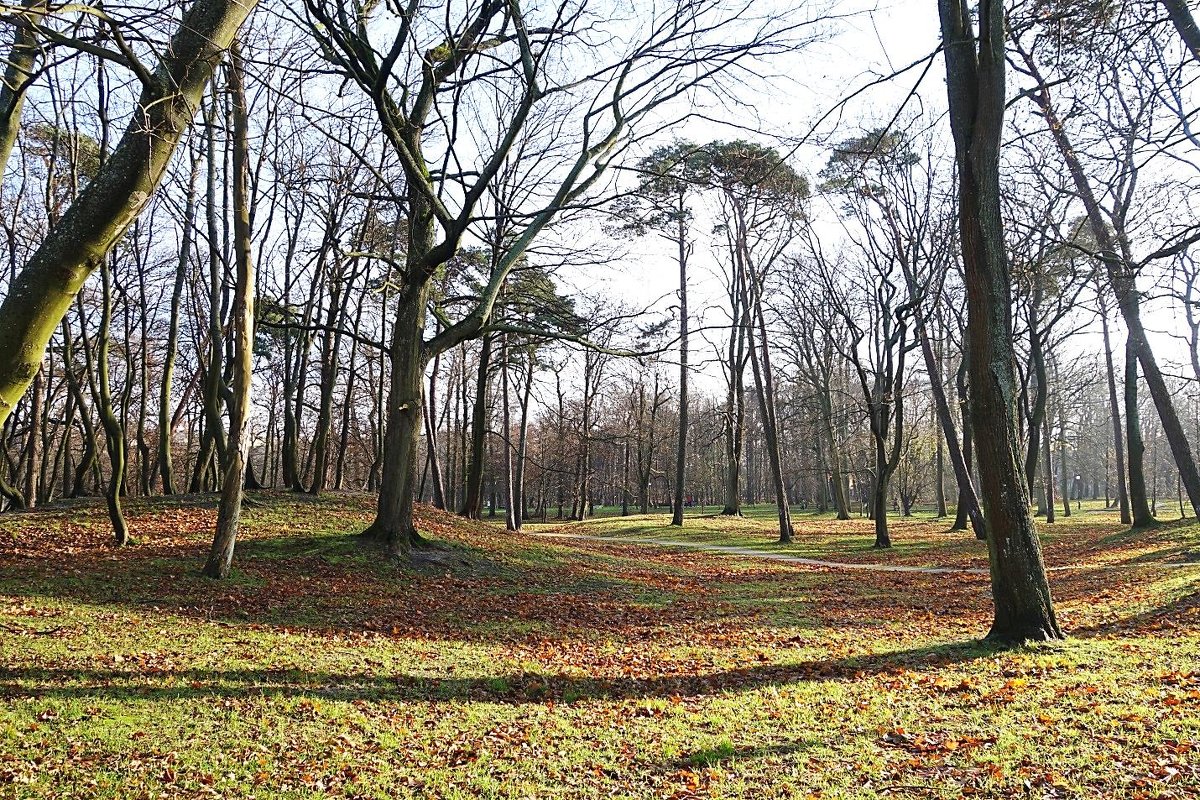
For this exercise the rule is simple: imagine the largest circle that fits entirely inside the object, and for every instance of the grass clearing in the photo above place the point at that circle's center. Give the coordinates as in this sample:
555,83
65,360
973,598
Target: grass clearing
572,668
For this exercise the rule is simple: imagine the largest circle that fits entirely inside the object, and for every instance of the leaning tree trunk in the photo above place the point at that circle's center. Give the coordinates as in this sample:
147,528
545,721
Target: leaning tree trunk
1122,277
41,294
1185,24
229,511
967,499
975,89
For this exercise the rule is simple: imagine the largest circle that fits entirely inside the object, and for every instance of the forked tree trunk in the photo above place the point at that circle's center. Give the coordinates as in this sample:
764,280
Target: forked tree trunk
975,88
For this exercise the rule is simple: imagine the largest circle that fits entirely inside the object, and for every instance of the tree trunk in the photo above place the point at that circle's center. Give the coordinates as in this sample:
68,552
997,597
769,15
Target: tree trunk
435,467
1122,277
1115,411
1185,24
393,525
1138,502
220,557
879,493
19,72
41,294
760,360
33,449
473,501
114,436
681,444
968,502
975,88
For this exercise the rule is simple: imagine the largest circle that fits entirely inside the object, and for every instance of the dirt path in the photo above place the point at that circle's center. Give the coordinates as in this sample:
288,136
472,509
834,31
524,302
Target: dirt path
750,552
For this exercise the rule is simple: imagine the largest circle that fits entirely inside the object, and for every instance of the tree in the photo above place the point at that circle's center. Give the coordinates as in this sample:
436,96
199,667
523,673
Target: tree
671,176
975,88
43,291
498,56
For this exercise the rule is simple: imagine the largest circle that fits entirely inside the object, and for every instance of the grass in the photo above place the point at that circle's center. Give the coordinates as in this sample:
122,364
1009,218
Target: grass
536,667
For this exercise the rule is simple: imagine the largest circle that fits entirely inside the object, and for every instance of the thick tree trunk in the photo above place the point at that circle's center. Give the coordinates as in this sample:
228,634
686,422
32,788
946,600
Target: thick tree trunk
431,437
975,88
879,493
393,525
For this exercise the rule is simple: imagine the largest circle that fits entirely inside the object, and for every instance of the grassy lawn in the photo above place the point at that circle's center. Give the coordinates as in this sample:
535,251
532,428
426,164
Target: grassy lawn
519,666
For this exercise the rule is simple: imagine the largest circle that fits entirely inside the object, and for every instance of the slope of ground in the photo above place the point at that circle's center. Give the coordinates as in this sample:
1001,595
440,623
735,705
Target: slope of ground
520,666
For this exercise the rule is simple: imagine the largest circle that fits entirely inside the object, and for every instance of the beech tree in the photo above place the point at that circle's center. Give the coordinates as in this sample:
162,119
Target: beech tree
435,68
975,88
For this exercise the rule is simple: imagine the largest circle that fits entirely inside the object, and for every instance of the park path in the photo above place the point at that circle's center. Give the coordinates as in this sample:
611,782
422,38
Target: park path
750,552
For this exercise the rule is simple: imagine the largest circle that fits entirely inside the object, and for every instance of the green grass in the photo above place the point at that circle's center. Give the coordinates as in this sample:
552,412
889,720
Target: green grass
574,669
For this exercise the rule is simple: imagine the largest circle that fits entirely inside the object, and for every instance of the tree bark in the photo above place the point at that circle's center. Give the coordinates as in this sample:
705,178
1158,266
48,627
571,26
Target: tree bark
1138,501
1185,24
1115,411
41,294
975,89
229,510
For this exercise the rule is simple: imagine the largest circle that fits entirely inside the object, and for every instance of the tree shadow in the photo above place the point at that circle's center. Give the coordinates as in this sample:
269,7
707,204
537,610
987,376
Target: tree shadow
41,683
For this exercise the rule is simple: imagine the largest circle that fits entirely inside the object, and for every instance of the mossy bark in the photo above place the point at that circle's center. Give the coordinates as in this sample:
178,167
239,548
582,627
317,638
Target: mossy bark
42,292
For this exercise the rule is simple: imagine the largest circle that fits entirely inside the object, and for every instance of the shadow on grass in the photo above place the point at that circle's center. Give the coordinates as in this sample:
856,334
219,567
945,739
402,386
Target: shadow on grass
519,688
